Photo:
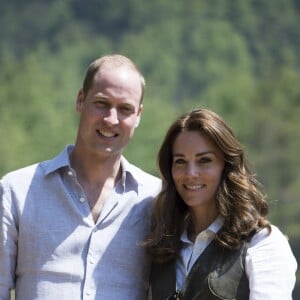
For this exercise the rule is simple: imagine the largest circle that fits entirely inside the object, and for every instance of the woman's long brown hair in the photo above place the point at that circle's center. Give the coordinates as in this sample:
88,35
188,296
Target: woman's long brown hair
240,200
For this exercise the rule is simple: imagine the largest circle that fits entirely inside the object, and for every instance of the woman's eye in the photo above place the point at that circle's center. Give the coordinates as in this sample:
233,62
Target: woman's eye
178,161
204,160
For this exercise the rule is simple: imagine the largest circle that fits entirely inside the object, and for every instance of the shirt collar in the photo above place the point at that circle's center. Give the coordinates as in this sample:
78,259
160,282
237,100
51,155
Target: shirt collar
131,175
60,161
212,229
216,225
130,178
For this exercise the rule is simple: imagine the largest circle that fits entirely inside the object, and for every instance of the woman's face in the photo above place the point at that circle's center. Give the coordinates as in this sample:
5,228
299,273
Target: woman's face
197,169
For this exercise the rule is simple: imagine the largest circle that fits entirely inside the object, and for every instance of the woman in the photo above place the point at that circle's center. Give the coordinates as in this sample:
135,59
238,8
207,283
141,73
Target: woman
211,238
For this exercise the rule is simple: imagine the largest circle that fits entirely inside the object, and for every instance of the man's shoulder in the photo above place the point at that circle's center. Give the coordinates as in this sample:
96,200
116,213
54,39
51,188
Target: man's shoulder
148,184
143,173
36,170
20,179
23,172
143,176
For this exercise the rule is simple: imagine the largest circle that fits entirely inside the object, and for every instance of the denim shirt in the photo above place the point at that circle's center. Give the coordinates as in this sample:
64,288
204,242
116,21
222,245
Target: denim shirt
50,246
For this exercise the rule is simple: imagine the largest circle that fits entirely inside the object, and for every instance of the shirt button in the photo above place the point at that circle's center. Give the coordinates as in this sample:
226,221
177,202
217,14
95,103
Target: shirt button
70,173
92,261
81,199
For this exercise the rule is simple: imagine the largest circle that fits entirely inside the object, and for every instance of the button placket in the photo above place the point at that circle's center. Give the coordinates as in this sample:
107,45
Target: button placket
89,284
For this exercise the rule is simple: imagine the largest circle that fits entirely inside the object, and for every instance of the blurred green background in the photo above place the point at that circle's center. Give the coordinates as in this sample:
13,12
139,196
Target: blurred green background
239,58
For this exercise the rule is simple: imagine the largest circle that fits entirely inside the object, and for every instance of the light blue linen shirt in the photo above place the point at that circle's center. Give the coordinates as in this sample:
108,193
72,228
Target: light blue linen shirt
50,246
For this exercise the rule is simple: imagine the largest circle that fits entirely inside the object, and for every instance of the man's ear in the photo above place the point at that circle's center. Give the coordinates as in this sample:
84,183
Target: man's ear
80,100
138,119
137,122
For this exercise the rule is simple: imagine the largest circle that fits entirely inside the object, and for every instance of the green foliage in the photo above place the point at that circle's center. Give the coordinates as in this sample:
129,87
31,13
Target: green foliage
239,58
142,150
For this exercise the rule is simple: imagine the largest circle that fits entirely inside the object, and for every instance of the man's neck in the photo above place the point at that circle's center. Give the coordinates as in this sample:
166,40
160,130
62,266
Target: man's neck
94,169
97,177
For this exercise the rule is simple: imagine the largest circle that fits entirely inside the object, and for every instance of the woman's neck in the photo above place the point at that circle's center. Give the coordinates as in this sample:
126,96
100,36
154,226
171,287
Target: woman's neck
200,222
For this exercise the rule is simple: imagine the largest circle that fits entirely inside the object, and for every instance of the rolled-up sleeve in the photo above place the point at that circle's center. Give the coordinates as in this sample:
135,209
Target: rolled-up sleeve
8,242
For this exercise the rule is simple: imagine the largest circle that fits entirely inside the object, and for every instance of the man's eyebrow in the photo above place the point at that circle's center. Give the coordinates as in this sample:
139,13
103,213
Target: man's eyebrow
100,97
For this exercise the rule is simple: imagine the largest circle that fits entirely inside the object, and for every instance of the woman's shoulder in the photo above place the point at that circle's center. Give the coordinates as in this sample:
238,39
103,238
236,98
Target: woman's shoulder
269,238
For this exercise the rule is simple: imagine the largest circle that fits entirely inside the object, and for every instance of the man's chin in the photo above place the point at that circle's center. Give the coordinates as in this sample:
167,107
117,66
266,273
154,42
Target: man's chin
109,151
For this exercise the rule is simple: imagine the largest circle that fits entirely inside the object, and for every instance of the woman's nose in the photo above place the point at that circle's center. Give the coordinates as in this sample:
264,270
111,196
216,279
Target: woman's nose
192,170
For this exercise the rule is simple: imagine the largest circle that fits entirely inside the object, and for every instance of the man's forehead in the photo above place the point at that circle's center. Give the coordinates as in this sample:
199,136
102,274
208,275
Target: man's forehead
122,78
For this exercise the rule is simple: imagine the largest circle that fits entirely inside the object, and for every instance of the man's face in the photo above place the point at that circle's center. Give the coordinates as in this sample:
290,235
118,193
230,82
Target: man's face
110,111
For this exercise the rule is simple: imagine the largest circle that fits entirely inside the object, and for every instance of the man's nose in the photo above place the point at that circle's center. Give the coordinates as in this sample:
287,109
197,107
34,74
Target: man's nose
112,116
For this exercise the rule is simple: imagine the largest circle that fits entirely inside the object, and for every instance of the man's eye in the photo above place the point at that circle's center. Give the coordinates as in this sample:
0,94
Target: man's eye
127,110
101,104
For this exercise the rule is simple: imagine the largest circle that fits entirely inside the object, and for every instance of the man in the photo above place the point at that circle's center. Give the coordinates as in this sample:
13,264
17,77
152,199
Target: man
71,227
